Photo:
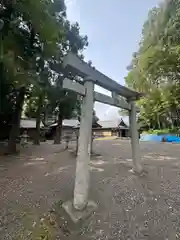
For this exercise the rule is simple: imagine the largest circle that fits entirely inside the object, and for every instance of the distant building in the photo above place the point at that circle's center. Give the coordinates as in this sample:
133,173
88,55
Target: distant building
115,127
26,124
68,125
29,125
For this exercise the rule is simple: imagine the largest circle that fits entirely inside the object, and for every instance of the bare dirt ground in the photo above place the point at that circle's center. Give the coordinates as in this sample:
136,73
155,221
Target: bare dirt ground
129,206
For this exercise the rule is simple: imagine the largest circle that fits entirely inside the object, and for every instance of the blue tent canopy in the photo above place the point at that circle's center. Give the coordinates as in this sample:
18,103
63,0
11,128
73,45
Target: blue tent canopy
159,138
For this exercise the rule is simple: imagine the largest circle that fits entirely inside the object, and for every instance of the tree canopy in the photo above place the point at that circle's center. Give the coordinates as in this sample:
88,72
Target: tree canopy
34,37
155,67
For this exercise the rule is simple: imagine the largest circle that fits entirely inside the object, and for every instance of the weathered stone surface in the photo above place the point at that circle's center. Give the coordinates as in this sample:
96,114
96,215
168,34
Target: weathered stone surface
77,215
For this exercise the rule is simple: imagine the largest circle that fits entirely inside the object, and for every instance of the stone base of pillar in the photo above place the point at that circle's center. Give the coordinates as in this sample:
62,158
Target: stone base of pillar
141,173
93,154
75,215
74,153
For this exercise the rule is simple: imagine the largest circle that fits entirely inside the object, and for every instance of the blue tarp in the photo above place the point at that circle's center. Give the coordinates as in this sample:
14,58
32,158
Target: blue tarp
172,139
151,138
159,138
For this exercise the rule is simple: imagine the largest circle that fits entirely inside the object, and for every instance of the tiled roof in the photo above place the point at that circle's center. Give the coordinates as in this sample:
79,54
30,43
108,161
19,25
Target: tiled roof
68,123
112,124
29,123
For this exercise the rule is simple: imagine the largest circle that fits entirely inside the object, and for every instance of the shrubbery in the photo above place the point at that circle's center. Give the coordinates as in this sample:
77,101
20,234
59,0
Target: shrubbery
175,131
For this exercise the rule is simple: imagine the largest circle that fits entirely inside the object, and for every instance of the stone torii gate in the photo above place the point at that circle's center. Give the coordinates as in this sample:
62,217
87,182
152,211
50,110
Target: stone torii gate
80,206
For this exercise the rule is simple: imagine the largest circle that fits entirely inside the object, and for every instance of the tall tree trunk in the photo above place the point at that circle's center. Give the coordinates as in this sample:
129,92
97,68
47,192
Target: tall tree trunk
57,139
14,132
171,119
164,123
44,118
38,121
91,144
177,114
158,122
77,138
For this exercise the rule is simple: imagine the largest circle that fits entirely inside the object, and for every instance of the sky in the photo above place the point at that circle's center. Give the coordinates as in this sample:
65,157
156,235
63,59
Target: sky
114,31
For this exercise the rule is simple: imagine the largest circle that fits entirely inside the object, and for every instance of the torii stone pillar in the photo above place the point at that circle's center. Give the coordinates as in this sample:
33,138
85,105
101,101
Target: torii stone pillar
83,156
81,207
136,159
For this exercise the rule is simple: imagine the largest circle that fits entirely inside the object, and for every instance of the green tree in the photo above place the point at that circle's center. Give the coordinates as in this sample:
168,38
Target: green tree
154,68
34,38
63,104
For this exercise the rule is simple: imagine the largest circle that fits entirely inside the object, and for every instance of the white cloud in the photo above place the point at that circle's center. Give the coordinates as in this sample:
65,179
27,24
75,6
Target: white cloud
73,10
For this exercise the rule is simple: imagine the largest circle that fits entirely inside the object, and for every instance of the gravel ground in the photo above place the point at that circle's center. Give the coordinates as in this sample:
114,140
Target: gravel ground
129,206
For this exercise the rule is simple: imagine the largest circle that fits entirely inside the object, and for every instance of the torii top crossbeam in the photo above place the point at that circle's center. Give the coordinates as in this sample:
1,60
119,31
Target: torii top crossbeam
83,69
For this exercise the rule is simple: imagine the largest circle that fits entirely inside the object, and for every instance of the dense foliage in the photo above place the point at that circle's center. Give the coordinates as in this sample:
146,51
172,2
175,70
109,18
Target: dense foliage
35,36
155,67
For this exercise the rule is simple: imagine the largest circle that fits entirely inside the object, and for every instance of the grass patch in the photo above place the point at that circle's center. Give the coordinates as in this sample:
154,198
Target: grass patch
36,228
55,223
